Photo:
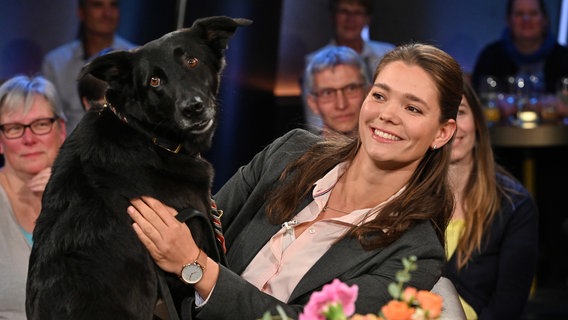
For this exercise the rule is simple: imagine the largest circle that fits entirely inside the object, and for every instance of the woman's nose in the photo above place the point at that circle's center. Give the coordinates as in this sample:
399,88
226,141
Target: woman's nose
388,111
28,137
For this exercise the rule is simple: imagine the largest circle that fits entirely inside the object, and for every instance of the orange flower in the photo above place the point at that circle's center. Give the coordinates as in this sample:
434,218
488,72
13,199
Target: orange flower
397,310
368,316
430,302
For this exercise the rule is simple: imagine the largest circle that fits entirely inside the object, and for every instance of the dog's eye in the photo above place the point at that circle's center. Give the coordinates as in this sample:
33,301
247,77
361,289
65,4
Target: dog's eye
155,81
191,62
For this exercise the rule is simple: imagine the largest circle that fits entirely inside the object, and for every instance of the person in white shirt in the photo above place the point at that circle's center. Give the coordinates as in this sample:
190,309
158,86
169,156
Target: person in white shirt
99,21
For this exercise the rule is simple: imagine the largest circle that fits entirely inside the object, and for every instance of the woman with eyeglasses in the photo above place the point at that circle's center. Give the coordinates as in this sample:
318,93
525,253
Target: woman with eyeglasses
32,129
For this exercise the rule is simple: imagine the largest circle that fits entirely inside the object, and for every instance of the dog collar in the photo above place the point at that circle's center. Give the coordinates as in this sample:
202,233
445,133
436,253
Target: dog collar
171,147
162,143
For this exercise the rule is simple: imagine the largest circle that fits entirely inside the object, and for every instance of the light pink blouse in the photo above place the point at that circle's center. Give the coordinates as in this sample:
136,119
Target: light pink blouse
285,259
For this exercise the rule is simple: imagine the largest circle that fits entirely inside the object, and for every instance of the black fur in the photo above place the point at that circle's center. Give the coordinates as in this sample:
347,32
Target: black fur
86,261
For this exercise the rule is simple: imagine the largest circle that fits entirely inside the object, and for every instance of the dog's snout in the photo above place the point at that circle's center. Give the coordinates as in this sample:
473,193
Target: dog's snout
193,107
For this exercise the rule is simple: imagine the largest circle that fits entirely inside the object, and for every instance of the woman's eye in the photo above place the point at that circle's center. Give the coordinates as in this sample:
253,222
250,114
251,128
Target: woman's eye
155,81
413,109
378,96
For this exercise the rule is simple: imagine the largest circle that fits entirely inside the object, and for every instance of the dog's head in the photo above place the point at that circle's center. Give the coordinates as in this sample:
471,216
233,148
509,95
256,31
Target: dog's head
167,88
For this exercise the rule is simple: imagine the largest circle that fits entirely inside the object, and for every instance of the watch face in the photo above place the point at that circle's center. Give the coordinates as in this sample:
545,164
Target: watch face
192,273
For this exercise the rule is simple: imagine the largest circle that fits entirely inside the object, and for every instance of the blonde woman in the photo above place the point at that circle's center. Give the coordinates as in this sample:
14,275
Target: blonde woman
493,234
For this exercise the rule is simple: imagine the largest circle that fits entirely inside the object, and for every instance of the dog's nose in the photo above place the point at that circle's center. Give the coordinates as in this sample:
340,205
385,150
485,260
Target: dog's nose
193,108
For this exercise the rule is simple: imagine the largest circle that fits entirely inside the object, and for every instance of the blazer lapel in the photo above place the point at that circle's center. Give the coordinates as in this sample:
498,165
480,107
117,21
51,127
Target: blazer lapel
342,257
255,235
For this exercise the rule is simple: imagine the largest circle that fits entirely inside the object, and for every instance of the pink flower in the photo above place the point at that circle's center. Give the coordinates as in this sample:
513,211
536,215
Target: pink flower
409,294
334,299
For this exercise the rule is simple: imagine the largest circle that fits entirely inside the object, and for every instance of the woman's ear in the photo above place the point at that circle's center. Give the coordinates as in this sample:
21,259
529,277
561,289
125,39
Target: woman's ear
62,130
445,134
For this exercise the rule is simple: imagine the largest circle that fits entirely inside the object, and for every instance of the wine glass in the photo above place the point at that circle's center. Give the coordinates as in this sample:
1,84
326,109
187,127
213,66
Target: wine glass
488,96
527,88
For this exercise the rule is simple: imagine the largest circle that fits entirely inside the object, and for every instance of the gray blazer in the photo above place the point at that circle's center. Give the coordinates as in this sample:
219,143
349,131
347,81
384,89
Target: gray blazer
243,200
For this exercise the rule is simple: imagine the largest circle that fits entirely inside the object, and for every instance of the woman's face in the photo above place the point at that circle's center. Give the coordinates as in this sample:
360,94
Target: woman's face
31,153
464,141
527,21
400,118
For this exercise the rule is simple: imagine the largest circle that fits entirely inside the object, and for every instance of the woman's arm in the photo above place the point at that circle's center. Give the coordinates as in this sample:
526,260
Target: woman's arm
169,241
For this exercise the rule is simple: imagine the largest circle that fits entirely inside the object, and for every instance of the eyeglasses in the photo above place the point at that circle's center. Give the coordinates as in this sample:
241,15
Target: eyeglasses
352,90
350,13
38,127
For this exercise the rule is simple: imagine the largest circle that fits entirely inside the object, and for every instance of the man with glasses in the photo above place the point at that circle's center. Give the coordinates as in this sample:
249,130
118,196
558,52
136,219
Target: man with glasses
335,83
32,130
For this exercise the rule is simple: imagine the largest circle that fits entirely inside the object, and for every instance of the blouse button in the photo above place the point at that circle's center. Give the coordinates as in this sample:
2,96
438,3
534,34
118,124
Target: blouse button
312,230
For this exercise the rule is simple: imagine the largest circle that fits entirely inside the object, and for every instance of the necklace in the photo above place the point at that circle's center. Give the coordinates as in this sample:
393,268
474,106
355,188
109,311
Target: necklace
337,210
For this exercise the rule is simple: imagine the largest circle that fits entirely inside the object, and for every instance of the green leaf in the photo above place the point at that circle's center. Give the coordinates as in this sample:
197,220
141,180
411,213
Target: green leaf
281,315
281,312
394,290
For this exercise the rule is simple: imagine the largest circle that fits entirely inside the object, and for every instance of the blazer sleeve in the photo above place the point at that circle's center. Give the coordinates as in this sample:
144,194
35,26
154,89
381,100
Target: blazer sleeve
518,255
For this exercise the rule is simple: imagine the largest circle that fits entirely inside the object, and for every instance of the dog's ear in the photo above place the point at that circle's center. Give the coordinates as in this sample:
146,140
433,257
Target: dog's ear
217,30
114,67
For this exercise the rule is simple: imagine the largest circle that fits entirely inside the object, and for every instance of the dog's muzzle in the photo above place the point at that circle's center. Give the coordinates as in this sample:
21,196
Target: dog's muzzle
201,126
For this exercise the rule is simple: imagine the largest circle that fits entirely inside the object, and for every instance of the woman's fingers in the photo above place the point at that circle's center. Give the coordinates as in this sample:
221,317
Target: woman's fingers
39,181
153,209
169,241
146,241
145,222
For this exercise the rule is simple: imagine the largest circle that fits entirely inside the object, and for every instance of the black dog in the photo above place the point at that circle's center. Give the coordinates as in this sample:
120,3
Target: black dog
86,261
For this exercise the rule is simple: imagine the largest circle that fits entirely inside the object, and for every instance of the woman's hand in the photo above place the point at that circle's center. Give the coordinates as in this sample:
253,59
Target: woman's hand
169,241
39,181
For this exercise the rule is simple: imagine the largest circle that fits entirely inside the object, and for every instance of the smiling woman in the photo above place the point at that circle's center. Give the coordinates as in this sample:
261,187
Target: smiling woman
387,187
32,131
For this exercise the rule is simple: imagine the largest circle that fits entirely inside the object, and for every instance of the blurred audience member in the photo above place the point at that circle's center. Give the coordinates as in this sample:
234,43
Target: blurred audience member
91,92
335,85
527,47
492,239
349,18
32,131
99,22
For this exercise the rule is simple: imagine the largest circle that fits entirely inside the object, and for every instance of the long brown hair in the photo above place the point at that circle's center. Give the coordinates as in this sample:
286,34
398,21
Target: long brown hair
427,195
482,194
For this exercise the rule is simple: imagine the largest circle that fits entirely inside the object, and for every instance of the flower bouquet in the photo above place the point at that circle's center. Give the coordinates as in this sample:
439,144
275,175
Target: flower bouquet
336,301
